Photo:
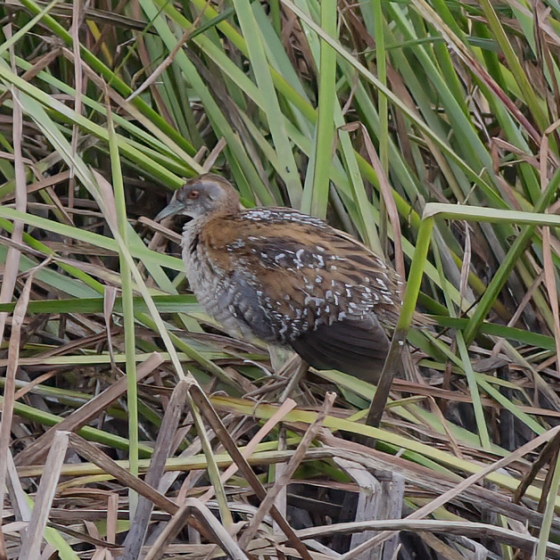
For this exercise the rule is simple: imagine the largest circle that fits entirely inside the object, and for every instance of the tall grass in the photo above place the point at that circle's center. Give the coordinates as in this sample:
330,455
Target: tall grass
429,130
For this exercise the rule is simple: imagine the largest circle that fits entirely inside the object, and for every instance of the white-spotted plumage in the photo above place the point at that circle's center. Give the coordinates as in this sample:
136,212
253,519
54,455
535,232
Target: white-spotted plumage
287,278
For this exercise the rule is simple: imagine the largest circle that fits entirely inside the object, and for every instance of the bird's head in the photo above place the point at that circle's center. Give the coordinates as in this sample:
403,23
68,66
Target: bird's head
203,195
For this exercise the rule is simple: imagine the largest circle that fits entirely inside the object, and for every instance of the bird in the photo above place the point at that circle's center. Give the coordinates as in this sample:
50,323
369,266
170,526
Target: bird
286,278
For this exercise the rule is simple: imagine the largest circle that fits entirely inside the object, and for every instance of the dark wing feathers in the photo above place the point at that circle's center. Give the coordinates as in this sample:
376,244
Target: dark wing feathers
342,346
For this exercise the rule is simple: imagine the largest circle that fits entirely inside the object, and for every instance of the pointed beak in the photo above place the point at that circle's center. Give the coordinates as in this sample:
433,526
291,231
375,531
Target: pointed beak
173,208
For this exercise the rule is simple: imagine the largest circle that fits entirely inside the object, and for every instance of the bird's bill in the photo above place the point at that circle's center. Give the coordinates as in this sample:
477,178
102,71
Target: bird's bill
172,209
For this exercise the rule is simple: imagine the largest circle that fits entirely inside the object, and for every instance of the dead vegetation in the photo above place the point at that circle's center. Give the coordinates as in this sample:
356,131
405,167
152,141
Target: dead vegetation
131,425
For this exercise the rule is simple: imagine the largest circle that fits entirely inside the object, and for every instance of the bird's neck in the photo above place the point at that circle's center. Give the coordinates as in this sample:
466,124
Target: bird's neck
200,222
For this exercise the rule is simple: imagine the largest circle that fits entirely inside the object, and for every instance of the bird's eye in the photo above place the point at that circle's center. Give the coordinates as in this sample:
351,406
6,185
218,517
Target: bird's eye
193,195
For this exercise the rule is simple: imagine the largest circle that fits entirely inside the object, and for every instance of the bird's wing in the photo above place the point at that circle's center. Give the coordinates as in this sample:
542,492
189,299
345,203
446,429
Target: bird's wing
304,272
355,347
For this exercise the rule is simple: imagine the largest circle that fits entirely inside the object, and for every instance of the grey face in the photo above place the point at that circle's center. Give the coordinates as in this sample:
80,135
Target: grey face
195,199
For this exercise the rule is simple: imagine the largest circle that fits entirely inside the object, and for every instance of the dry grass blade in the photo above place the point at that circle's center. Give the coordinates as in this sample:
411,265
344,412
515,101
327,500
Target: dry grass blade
18,498
7,404
287,406
544,457
13,257
105,112
73,422
167,432
464,485
201,518
288,472
393,364
505,536
33,535
109,466
213,419
423,478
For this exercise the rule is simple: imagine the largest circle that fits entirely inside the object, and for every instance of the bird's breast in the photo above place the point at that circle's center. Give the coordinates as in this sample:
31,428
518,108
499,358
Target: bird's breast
214,283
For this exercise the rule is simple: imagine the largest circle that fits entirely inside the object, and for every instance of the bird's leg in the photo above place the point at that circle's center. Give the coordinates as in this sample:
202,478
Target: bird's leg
295,368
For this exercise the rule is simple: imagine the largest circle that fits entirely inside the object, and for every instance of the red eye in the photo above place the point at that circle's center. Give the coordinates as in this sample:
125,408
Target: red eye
193,195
